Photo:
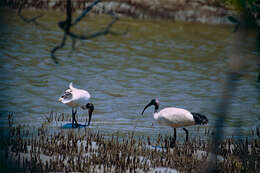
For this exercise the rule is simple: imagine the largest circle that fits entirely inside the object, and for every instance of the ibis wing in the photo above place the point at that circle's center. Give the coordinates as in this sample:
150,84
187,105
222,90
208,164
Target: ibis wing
80,96
176,117
71,86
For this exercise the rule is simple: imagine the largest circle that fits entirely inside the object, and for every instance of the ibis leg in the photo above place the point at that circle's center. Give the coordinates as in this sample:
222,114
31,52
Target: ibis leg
173,140
187,134
72,123
175,136
74,118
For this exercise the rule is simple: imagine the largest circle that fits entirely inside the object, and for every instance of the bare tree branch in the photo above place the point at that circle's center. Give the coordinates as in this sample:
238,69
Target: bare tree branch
85,11
100,33
61,45
27,20
67,24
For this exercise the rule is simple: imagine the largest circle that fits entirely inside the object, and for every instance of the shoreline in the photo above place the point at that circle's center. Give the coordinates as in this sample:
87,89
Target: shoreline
175,10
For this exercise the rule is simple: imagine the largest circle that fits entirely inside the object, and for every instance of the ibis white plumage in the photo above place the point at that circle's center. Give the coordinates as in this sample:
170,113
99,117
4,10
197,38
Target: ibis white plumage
74,98
176,117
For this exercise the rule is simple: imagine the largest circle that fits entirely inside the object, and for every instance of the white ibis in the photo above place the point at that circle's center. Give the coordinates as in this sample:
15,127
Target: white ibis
74,98
176,117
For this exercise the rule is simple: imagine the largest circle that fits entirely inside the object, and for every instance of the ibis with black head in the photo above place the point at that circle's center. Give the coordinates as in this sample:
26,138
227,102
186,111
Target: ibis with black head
176,117
74,98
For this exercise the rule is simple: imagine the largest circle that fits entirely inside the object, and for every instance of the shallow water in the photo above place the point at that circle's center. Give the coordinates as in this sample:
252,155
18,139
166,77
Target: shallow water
181,64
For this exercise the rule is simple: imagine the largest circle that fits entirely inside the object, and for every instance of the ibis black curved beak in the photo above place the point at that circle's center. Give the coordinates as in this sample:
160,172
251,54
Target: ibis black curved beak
90,108
150,104
153,102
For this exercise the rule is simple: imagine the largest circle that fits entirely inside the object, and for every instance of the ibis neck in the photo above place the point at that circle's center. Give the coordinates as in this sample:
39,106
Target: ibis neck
156,115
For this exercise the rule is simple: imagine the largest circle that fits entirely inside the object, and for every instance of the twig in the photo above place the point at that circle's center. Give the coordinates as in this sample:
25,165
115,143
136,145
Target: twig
102,32
67,24
235,21
61,45
27,20
85,11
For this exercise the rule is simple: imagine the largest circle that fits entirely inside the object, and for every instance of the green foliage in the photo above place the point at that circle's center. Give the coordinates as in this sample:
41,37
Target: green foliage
249,9
241,5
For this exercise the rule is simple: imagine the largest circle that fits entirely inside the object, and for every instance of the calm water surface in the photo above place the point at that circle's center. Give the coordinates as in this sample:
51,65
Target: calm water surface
181,64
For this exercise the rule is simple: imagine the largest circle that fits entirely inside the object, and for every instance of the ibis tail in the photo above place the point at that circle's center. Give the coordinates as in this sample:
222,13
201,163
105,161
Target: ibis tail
199,118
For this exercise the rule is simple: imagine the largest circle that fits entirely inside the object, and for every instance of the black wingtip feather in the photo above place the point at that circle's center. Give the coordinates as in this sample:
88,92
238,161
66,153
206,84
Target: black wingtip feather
199,118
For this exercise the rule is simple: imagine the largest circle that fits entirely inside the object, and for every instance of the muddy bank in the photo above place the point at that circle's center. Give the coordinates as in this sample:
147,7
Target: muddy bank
179,10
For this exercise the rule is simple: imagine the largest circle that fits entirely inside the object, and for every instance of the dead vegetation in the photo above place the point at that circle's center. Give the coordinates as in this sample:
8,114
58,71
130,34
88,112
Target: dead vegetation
86,150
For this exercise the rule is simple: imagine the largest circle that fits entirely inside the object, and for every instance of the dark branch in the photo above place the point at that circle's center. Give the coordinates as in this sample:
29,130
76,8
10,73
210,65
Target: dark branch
61,45
235,21
68,19
27,20
67,24
85,11
100,33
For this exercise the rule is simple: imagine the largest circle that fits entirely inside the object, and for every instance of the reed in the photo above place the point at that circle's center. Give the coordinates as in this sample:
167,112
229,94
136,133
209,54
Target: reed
91,151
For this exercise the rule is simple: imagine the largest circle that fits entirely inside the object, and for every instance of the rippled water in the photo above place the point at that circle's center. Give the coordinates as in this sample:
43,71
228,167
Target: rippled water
181,64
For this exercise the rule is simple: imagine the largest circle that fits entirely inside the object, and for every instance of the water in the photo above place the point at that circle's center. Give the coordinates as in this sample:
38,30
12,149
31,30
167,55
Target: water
181,64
